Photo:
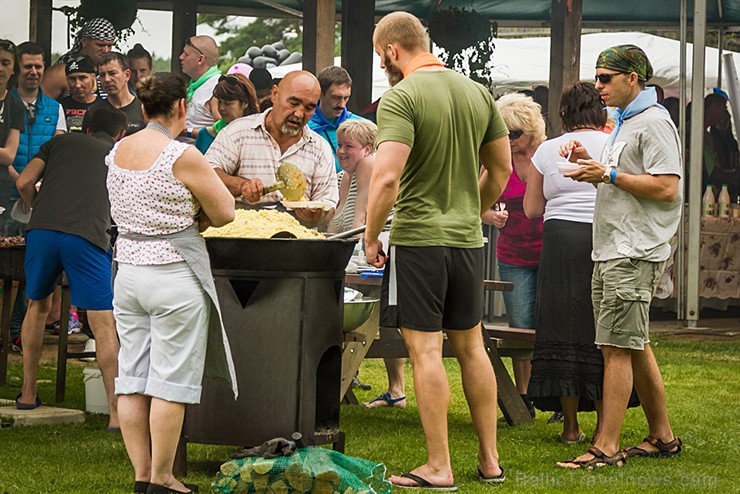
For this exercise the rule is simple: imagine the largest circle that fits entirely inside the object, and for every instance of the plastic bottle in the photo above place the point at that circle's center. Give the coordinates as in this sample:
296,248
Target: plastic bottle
724,202
707,202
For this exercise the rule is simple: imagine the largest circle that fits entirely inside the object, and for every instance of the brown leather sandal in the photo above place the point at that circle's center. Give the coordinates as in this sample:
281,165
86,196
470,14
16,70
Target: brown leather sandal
600,459
664,450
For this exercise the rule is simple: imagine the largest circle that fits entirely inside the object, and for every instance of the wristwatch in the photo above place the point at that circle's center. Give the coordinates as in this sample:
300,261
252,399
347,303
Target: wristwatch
607,176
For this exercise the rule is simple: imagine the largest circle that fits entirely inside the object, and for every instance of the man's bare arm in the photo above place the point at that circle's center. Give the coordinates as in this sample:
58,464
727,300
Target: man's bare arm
496,159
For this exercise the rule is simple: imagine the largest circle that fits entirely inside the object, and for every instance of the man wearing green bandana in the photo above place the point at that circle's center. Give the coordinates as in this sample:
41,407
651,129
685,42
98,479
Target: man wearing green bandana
198,61
638,207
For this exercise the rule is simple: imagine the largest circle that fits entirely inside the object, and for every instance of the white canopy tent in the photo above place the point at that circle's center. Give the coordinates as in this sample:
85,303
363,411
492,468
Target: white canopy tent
522,63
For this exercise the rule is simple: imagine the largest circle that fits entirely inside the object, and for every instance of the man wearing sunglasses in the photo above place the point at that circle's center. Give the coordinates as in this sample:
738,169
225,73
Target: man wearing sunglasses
638,206
198,61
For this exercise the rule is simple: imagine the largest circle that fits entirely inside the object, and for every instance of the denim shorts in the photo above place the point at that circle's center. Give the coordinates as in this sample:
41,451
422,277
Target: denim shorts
621,291
520,302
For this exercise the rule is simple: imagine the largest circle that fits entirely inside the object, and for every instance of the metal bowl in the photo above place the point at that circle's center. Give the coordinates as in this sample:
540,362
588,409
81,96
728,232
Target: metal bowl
356,312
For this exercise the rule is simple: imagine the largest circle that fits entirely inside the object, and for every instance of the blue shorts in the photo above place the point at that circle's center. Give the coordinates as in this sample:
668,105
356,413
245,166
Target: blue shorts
88,268
520,302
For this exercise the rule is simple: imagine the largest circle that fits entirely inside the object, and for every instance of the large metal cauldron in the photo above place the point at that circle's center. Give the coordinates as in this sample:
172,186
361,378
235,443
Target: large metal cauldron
281,300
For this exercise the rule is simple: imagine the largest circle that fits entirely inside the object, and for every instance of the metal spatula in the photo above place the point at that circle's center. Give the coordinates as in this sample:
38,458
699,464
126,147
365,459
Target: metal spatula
290,182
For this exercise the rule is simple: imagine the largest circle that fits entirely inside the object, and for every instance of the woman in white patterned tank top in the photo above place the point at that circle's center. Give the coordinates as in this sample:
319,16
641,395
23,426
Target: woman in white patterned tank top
158,186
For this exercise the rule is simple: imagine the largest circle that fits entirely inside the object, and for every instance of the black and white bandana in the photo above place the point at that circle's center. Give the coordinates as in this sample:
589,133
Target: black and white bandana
98,28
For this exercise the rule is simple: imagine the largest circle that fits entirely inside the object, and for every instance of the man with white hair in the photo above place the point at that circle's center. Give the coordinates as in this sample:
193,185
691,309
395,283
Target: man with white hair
96,37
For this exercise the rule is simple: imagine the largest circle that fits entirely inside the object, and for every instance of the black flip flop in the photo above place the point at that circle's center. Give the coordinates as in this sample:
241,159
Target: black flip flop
27,406
492,480
424,484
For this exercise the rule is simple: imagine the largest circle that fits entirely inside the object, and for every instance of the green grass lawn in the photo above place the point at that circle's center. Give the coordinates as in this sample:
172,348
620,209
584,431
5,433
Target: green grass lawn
702,382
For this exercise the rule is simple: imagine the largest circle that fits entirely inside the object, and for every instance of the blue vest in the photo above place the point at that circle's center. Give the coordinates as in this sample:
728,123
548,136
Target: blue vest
47,114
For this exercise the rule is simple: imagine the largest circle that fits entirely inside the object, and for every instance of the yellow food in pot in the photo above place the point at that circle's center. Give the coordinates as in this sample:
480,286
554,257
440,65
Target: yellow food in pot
263,223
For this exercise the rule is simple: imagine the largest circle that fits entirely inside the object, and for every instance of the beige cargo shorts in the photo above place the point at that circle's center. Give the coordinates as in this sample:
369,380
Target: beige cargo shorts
621,291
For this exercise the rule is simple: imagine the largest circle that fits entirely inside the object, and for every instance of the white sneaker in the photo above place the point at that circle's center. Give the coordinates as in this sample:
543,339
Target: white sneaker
89,347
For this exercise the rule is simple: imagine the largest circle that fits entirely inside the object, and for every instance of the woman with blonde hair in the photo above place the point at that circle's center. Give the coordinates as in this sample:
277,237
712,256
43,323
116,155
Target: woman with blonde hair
520,238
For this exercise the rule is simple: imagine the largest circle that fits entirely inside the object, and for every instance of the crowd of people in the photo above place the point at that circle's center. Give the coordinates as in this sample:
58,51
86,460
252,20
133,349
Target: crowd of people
97,140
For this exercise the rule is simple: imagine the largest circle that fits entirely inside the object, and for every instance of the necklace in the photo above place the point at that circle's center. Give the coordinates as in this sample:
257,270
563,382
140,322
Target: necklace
2,108
159,128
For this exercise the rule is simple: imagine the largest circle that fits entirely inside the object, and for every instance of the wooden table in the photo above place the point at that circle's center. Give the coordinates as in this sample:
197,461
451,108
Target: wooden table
362,343
11,269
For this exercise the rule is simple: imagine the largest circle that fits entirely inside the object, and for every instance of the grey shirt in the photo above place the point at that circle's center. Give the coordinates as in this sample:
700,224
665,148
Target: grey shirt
628,226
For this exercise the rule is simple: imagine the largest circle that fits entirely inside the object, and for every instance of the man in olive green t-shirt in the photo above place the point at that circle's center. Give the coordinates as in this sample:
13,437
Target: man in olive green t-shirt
434,126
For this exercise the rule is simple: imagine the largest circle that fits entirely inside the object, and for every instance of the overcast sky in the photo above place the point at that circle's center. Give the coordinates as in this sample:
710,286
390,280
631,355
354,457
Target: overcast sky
153,29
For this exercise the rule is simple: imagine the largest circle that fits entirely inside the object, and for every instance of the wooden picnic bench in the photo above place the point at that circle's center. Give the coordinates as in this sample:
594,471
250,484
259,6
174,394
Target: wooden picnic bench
370,341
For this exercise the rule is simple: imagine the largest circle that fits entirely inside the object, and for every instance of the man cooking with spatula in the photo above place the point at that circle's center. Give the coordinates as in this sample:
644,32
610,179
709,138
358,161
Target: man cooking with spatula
252,154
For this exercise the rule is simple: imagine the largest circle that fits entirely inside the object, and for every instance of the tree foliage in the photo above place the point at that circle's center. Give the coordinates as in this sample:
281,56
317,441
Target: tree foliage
260,32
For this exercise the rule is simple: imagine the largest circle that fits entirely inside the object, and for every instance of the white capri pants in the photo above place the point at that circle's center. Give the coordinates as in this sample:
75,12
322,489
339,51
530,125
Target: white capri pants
162,316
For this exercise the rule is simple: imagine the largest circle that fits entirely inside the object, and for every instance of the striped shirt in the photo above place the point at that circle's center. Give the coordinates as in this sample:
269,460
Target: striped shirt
244,148
345,216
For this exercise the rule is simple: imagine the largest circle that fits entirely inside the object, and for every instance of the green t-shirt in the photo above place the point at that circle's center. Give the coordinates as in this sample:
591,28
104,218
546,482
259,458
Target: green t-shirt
445,118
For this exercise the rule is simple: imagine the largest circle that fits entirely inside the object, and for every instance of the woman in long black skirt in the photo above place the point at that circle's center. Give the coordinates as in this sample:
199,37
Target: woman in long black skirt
567,368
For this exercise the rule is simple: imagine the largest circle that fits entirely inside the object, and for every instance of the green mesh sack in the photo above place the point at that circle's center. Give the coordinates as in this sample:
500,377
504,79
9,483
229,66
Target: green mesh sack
308,470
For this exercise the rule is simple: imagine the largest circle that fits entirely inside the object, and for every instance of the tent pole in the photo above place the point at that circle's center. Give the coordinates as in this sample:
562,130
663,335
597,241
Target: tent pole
721,38
680,264
697,146
720,43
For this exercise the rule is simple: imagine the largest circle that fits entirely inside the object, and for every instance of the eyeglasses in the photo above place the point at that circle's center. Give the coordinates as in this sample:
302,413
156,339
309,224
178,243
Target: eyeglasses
6,45
606,78
190,43
515,134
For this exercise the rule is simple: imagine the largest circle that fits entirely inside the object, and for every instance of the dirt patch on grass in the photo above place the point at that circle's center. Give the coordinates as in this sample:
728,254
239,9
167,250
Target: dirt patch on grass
75,343
700,335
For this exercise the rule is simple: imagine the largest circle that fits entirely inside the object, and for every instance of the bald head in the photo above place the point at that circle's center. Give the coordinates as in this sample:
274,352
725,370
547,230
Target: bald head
300,80
207,47
293,103
199,54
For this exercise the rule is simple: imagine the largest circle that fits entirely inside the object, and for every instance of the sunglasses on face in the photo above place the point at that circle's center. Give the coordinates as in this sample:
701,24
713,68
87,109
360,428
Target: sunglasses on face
515,134
190,44
6,45
606,78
